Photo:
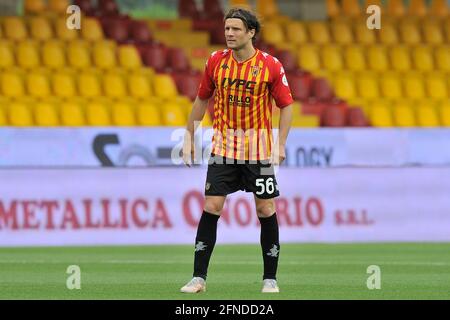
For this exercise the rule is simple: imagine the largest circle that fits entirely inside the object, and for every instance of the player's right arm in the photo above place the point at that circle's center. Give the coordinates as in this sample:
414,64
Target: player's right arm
199,107
198,112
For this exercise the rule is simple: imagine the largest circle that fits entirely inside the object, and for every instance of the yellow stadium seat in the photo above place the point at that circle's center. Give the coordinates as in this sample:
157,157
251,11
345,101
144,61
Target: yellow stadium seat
104,56
432,33
114,85
173,115
123,115
234,3
318,32
139,85
296,33
15,28
62,32
91,29
27,55
129,57
423,58
148,115
207,121
410,33
395,8
377,58
404,115
11,84
374,2
6,55
436,86
308,57
97,115
344,84
3,120
164,86
34,6
400,58
444,113
354,58
380,115
272,33
350,8
78,55
72,115
367,85
333,8
331,58
388,34
89,85
53,55
442,58
427,116
342,32
38,85
20,115
447,29
46,115
413,86
58,6
417,8
391,86
439,8
267,8
63,85
364,35
40,28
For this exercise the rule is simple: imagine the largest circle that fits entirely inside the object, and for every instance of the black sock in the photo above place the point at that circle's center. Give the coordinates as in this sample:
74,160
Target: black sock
204,243
270,245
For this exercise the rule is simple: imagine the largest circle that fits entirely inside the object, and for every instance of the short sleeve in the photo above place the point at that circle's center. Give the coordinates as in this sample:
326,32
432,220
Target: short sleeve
207,86
279,86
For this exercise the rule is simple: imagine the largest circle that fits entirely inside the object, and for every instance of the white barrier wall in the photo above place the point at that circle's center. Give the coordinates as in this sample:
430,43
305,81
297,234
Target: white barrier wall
163,205
137,147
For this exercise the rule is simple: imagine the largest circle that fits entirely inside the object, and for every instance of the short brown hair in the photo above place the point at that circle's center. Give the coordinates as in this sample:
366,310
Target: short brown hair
248,18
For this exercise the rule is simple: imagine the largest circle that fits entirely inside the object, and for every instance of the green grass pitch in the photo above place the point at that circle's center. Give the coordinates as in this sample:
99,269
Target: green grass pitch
306,271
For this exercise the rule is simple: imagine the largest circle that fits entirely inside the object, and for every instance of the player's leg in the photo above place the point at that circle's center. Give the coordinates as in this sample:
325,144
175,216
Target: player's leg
206,234
221,179
270,243
260,179
205,241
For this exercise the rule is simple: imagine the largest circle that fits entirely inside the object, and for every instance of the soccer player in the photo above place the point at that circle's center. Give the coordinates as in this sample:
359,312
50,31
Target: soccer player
245,80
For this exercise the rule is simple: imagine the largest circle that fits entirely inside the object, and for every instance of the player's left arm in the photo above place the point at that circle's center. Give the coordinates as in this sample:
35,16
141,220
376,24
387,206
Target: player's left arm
280,91
284,127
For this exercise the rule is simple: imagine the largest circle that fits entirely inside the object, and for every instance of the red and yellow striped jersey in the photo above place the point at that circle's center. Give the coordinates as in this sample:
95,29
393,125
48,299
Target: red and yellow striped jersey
243,102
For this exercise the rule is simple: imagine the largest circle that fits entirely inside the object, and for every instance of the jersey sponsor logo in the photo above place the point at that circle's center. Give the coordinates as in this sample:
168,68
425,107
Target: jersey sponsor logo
239,101
237,83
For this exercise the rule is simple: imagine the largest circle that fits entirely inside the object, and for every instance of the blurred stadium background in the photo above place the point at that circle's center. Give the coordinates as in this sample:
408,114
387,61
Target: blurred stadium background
89,119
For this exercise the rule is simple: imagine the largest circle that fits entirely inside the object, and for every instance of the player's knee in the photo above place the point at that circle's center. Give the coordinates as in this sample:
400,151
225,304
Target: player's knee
265,209
214,207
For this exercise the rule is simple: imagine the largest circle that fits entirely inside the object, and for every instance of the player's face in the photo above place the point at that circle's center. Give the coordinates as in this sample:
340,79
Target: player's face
236,34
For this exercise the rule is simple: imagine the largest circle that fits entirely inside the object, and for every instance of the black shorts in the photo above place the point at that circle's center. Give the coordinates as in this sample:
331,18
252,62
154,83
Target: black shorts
226,176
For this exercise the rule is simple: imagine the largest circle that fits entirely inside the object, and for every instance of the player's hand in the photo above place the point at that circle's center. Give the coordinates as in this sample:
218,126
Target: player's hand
278,155
188,151
282,155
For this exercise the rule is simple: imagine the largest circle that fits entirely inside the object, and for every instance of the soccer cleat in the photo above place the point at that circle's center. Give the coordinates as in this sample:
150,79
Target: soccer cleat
270,286
196,285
